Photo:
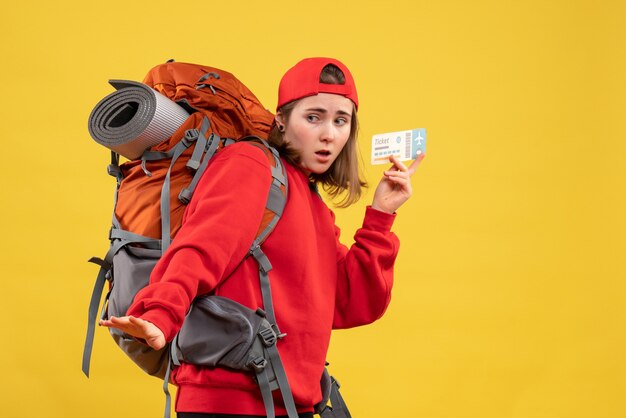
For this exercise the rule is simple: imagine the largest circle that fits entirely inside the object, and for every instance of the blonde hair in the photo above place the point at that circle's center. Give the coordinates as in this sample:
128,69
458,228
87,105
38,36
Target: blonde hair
342,180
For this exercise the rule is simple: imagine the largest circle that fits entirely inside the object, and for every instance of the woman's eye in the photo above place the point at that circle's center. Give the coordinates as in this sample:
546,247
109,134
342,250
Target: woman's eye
312,118
341,121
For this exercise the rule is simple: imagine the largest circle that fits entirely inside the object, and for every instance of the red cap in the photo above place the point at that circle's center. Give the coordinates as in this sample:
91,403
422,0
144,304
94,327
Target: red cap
303,80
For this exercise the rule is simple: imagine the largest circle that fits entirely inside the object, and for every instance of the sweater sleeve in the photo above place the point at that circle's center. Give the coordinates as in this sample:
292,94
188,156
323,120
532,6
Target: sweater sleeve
365,271
218,228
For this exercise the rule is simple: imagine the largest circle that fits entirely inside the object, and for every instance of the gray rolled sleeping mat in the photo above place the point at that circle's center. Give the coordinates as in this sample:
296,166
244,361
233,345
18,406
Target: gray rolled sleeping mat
134,118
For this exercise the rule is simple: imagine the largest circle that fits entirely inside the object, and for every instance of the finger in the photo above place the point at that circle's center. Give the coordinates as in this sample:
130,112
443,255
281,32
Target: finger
399,183
142,325
136,321
392,173
155,344
416,163
397,164
399,180
113,323
121,320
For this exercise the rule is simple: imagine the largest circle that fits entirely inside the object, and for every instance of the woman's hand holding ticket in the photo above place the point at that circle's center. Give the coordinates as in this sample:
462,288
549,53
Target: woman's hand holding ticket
395,187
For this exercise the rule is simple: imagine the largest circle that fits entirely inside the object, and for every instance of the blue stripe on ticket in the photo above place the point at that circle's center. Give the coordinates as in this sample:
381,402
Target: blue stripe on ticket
419,142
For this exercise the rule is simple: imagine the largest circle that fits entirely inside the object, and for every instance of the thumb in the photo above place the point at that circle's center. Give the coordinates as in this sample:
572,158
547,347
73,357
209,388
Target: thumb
157,342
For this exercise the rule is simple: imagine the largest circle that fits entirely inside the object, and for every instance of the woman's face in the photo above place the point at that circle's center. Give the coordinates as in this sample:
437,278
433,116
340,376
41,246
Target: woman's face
318,129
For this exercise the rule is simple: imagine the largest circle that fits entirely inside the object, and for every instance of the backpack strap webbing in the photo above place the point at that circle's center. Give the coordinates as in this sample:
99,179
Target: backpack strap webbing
211,147
338,408
283,383
201,142
91,318
276,201
166,380
266,392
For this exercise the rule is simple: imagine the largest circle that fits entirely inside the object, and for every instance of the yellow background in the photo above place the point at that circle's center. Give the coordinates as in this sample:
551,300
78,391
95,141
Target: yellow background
509,299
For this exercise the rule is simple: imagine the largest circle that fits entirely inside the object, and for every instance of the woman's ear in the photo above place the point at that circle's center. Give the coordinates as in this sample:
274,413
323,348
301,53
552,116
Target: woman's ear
280,121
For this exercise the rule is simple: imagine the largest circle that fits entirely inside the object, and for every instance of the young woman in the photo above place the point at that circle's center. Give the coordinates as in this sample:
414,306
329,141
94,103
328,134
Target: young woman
317,283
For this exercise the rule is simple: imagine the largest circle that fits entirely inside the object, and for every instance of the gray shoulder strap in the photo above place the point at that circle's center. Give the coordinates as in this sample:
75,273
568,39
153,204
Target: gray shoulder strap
276,202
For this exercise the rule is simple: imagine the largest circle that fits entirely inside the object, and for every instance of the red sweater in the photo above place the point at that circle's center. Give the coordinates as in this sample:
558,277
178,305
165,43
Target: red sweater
317,283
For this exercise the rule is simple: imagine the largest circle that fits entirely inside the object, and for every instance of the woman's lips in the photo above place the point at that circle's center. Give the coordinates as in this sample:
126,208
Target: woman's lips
323,156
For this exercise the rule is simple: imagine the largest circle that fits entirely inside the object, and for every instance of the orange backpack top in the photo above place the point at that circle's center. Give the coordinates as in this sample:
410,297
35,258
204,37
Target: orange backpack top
232,110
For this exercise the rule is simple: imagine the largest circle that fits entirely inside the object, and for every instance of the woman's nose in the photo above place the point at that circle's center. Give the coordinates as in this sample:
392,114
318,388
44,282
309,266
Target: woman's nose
328,133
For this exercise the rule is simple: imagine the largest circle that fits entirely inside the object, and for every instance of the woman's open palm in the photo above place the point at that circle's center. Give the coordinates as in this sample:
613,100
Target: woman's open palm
138,328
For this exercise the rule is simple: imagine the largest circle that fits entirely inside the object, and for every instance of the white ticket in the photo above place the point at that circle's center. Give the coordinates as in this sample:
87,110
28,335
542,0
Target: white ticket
406,145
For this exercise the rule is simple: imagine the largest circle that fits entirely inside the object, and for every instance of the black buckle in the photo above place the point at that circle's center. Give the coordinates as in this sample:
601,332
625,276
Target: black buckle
212,137
279,335
114,170
102,263
191,135
184,196
268,336
258,364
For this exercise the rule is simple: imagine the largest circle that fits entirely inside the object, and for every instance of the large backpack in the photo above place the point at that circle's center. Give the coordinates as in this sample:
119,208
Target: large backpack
151,194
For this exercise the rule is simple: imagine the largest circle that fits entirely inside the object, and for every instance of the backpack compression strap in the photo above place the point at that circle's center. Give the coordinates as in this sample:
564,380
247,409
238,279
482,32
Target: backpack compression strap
204,150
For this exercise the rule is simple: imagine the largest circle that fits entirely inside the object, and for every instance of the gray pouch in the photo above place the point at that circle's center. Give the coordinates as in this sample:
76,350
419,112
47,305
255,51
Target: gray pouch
219,331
